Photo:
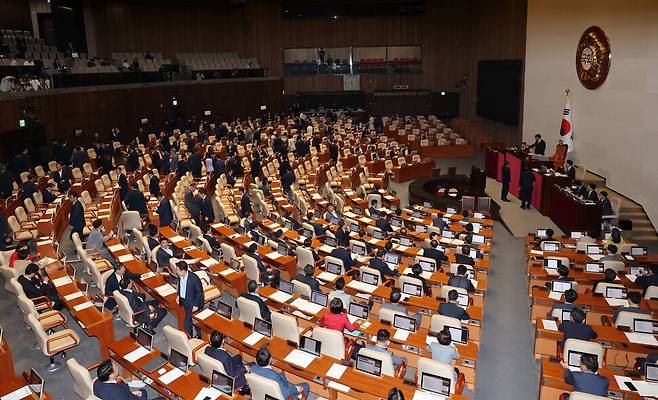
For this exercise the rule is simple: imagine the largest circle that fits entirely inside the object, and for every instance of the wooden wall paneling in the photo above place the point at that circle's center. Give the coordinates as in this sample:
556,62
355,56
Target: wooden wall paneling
15,14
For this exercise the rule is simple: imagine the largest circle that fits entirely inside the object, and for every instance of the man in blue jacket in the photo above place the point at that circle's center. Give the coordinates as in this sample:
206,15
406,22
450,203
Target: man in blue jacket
190,295
263,368
587,380
106,386
233,365
452,309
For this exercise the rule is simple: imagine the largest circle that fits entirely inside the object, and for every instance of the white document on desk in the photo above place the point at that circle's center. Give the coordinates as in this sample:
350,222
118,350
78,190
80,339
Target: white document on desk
18,394
205,314
280,296
338,386
336,371
116,247
311,308
274,255
125,258
646,389
401,248
209,262
327,276
171,376
300,358
147,275
64,280
617,302
549,324
642,338
631,278
555,296
325,248
364,287
72,296
176,239
136,354
401,335
352,318
596,257
82,306
552,271
537,253
226,272
165,290
425,395
208,393
252,339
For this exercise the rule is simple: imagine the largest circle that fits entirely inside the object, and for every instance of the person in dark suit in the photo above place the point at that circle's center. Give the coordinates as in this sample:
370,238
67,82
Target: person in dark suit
112,284
460,280
587,380
193,205
451,308
576,328
154,184
233,365
123,184
207,212
308,278
164,254
77,215
606,206
384,270
570,297
581,189
539,145
190,295
591,194
252,294
230,178
417,272
47,194
133,160
318,229
287,180
62,178
342,236
437,255
106,386
571,171
525,187
647,280
164,211
152,237
342,254
262,368
266,274
38,289
136,201
464,257
210,238
29,188
384,223
150,313
194,163
372,209
506,178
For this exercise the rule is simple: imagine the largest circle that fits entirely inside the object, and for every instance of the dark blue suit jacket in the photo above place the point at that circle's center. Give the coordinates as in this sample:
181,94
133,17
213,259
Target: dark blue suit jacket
114,391
587,382
77,218
287,388
245,204
264,310
463,259
63,181
123,186
193,292
461,282
436,255
453,310
344,256
575,330
112,284
383,268
232,365
165,213
506,174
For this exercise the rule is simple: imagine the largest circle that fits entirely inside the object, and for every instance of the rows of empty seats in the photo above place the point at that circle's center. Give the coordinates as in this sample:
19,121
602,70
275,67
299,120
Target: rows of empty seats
216,61
145,64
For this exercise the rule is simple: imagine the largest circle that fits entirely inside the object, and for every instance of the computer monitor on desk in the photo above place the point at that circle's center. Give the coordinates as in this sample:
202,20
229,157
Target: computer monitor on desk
377,234
358,249
396,222
309,345
222,382
35,383
458,334
178,360
319,298
368,365
307,233
435,384
358,310
412,289
577,234
612,292
649,326
405,241
478,239
638,251
144,339
447,234
561,286
334,268
462,300
285,286
354,227
651,372
404,323
594,250
392,258
552,263
421,228
329,241
371,279
427,266
225,310
594,268
263,327
573,358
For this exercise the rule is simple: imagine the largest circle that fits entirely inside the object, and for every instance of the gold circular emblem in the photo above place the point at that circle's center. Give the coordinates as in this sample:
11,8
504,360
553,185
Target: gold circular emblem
593,57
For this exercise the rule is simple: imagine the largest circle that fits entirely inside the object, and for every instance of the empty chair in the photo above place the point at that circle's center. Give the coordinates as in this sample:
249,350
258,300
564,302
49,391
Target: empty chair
54,343
178,340
438,322
285,326
585,396
125,310
302,289
626,318
48,319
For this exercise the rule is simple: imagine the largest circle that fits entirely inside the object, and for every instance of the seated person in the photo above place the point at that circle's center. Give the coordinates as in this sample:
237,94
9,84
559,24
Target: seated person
252,294
378,263
615,238
570,296
38,288
164,254
233,365
464,257
362,239
384,223
342,254
444,350
263,368
576,328
152,237
212,241
451,308
106,387
432,252
634,299
150,313
331,213
337,319
267,275
372,210
549,236
460,280
342,236
609,276
339,293
394,305
382,346
587,380
612,254
308,245
465,219
96,240
48,193
647,280
308,278
112,284
318,229
21,253
416,272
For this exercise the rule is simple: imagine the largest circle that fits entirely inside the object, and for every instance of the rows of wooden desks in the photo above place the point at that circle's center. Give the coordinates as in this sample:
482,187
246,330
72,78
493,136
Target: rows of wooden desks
620,352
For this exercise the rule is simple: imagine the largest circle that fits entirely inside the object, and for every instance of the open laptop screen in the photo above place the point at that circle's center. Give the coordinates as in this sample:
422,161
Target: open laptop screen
615,292
35,383
645,326
309,345
405,323
573,358
285,286
319,298
144,339
459,335
427,266
435,384
224,309
371,279
561,286
263,327
358,310
392,258
368,365
651,372
412,289
178,360
221,382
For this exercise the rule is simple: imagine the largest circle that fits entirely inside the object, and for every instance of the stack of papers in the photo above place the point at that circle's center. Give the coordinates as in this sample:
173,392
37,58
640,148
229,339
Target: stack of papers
325,248
274,255
300,358
425,395
642,338
327,276
431,339
552,272
280,296
549,325
116,247
536,253
205,314
208,393
18,394
226,272
171,376
84,305
401,248
401,335
136,354
165,290
617,302
555,295
176,239
644,388
338,386
45,261
209,262
596,257
336,371
364,287
72,296
252,339
125,258
147,275
64,280
189,248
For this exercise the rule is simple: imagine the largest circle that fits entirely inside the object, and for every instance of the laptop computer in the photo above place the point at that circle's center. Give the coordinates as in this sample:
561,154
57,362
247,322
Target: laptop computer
427,266
462,299
412,289
371,279
392,258
435,384
458,334
405,241
35,383
263,327
333,268
329,241
368,365
285,286
615,292
309,345
649,326
225,310
222,382
319,298
573,358
404,323
651,372
561,286
358,310
144,339
594,268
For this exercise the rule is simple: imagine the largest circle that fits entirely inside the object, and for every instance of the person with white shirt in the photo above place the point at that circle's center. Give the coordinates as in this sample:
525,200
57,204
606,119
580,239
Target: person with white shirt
106,387
444,350
209,163
165,253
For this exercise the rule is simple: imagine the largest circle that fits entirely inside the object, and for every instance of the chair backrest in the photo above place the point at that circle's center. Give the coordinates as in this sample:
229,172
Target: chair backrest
38,170
304,257
285,327
29,205
40,335
585,396
8,274
195,232
410,279
333,342
21,215
617,266
249,310
125,311
26,305
15,287
130,220
251,268
583,346
261,386
388,315
625,318
228,253
445,289
437,368
651,293
428,260
178,341
83,385
209,364
601,287
301,288
385,358
438,321
38,197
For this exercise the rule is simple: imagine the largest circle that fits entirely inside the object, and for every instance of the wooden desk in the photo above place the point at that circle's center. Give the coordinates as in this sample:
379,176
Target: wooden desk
572,214
6,361
14,383
415,171
541,194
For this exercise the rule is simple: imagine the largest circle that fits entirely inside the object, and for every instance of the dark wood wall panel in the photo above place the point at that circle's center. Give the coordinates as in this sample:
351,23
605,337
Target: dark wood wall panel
15,14
100,110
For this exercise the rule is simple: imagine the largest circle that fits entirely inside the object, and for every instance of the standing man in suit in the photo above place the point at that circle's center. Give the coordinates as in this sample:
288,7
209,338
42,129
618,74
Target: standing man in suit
207,212
123,184
190,295
154,184
452,309
506,178
106,386
526,182
77,215
164,210
262,368
252,294
233,365
193,205
136,201
112,284
62,178
571,171
539,145
587,380
150,312
591,193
